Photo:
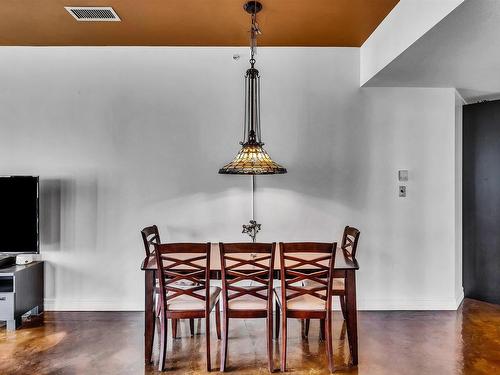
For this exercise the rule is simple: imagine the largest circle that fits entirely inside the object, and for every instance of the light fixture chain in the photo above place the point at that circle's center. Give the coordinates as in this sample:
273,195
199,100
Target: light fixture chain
254,31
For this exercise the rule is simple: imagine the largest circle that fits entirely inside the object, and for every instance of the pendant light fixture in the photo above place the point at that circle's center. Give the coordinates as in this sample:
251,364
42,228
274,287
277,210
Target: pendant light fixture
252,158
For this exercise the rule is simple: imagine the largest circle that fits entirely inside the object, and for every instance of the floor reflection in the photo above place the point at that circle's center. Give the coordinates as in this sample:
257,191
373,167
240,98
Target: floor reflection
466,341
480,338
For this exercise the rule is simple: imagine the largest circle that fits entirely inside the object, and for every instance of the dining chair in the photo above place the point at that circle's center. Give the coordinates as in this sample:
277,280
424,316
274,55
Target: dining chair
150,236
178,262
349,245
299,262
247,263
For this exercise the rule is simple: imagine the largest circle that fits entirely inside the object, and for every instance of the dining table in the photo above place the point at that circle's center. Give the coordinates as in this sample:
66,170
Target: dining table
345,267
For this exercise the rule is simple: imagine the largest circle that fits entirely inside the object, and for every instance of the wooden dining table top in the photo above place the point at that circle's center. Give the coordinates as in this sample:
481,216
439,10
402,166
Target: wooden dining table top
342,260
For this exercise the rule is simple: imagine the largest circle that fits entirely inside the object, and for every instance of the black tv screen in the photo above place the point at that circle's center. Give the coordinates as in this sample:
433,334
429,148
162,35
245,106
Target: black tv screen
18,214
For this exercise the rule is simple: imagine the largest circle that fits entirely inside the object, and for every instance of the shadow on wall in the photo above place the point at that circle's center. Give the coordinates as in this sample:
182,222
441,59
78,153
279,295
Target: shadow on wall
50,211
68,223
68,213
199,217
330,158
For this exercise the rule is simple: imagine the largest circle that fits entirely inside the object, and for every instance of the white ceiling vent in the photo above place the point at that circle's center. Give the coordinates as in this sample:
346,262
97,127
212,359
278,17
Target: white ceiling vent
93,14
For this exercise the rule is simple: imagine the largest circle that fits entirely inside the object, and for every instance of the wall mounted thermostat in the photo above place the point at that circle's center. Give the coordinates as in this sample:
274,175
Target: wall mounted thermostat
403,175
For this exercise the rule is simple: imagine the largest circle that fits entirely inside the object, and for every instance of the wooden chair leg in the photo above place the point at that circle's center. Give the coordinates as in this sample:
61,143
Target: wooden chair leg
270,359
306,327
277,326
191,326
342,306
329,342
225,331
207,341
174,328
322,329
217,319
163,342
283,342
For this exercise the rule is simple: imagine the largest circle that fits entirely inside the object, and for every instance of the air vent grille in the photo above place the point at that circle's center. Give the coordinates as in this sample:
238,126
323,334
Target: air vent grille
93,14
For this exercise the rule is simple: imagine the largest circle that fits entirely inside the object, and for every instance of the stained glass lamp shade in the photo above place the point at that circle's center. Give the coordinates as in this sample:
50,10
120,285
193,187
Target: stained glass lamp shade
252,159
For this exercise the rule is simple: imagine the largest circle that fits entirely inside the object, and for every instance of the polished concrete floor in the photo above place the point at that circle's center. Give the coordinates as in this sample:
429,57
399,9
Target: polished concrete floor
466,341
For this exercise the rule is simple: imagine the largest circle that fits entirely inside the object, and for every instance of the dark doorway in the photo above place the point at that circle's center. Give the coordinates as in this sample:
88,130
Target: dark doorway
481,201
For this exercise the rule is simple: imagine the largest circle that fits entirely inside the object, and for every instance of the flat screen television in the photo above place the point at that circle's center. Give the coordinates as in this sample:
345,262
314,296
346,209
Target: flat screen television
19,230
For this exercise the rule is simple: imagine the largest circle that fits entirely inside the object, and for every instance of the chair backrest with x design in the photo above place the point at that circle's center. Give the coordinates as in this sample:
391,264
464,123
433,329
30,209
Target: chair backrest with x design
350,241
307,261
251,263
183,271
150,236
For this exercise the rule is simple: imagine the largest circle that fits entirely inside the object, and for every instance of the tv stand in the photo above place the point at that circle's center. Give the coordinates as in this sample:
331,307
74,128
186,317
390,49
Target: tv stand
21,290
7,261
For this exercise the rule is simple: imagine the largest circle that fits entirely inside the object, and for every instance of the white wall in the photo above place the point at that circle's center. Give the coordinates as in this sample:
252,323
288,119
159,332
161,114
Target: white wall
403,26
126,137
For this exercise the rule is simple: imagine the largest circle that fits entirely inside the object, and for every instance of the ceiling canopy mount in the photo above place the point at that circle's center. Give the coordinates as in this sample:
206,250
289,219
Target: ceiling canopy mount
252,7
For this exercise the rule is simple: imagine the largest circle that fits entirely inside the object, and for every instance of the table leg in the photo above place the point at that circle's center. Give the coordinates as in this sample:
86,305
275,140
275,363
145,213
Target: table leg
352,320
149,315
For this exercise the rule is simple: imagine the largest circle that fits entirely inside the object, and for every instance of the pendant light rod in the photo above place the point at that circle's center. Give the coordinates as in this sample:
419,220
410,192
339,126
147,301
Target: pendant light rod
253,197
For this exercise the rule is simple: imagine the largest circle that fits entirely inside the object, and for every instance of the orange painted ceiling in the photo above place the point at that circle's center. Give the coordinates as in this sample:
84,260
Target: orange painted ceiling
192,23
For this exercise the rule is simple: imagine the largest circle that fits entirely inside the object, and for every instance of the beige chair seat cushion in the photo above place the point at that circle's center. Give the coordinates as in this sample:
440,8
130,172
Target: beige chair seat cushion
338,283
247,302
187,302
306,301
182,283
303,302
